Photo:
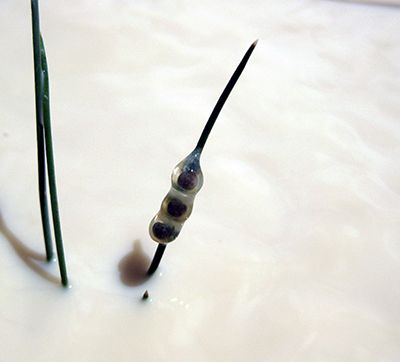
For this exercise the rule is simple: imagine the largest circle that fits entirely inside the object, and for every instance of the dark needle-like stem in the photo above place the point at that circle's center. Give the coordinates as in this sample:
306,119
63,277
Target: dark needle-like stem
51,167
223,97
156,259
40,131
204,135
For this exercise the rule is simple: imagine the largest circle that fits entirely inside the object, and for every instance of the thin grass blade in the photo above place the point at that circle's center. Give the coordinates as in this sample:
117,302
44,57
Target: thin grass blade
51,165
41,155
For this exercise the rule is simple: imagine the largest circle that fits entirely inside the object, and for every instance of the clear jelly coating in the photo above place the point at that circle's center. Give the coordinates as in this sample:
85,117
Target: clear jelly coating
187,175
186,181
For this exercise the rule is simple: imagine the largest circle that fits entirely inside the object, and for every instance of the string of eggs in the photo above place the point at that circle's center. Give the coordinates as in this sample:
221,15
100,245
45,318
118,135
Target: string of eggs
186,182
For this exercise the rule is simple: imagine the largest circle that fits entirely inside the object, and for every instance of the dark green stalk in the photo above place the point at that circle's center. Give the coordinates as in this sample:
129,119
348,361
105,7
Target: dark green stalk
40,131
45,147
51,166
224,96
156,259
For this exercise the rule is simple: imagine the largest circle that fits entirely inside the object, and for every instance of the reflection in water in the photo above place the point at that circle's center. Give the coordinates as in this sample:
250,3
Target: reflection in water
133,266
30,257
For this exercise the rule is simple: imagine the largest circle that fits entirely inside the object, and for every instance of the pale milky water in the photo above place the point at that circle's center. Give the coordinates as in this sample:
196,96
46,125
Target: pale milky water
292,252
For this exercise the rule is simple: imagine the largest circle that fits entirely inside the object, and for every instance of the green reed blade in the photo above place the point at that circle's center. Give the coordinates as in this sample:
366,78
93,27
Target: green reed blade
40,131
51,166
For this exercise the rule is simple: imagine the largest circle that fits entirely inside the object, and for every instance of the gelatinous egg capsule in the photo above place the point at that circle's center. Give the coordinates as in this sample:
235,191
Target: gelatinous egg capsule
186,181
163,230
187,176
177,205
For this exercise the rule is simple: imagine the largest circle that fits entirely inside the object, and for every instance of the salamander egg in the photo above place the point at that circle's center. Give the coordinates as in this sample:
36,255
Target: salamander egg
188,180
176,208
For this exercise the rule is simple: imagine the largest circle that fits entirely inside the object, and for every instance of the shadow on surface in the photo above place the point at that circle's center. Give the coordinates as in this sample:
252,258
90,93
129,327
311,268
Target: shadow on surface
30,257
369,3
133,266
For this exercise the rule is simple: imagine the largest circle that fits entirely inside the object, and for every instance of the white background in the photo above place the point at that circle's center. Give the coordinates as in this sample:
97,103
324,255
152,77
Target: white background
292,252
